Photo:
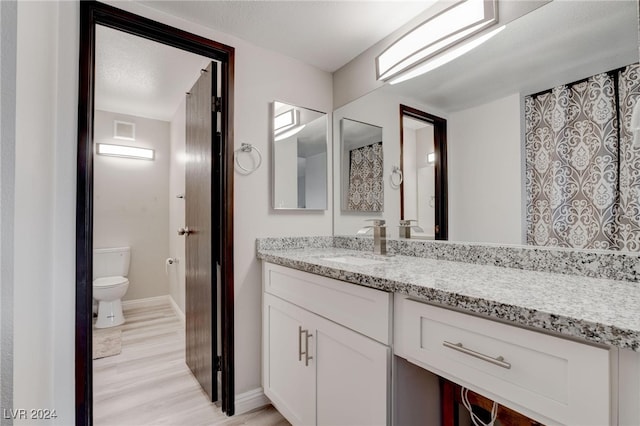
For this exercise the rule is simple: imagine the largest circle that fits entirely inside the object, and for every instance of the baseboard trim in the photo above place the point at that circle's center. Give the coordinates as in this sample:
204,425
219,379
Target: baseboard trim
251,400
177,310
147,301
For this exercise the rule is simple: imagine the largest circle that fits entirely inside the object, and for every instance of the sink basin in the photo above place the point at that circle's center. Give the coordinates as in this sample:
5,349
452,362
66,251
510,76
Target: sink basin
357,261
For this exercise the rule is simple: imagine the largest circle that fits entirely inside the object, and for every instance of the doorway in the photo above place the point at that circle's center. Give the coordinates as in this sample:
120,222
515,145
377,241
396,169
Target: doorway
221,207
423,161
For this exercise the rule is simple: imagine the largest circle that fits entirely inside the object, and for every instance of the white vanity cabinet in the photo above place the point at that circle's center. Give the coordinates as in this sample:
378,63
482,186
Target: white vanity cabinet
326,354
551,379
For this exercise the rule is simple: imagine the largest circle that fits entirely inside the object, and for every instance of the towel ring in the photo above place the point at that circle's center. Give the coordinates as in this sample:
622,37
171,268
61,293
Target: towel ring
395,171
247,147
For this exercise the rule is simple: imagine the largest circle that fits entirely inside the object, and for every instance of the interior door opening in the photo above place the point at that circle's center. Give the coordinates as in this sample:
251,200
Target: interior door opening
423,160
219,205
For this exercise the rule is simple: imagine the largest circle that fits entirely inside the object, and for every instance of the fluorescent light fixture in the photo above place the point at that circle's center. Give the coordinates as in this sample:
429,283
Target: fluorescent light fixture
289,133
446,57
286,120
439,33
431,157
125,151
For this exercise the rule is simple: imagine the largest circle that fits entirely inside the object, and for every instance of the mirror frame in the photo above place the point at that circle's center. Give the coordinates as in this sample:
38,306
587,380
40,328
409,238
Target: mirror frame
273,159
439,124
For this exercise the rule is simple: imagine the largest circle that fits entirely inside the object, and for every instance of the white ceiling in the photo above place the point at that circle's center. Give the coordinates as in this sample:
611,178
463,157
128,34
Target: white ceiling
325,34
560,42
139,77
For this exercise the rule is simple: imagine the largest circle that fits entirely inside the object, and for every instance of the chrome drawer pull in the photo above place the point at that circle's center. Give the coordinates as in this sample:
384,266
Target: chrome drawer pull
499,361
300,353
306,348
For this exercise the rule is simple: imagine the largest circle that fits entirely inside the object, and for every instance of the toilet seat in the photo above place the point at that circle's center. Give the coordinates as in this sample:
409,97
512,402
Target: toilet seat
106,282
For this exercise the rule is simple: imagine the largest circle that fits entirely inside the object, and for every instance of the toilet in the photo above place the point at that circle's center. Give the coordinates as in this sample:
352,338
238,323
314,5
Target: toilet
110,284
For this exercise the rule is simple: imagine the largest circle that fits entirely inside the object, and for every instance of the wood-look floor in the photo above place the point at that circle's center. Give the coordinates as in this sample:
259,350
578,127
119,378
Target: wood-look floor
149,382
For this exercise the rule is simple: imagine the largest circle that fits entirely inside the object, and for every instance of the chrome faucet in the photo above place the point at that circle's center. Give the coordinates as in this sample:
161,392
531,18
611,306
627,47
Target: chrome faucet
406,227
379,235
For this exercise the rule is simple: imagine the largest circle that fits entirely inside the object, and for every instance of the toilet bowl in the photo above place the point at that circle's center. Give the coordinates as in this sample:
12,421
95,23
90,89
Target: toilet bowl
109,291
110,284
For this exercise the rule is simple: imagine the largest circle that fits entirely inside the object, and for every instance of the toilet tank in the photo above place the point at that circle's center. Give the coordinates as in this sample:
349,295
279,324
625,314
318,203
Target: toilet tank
110,262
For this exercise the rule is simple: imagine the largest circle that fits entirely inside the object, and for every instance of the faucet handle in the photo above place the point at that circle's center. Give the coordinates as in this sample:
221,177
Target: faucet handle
364,230
376,222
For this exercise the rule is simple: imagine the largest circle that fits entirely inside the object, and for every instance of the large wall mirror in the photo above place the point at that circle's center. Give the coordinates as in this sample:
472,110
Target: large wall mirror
481,96
299,158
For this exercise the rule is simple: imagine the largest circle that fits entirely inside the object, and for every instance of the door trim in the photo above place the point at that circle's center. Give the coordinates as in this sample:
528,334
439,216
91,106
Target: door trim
440,149
92,13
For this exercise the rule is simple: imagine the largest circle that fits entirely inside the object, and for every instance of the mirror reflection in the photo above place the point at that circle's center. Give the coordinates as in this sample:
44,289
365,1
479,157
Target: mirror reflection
299,158
418,161
362,167
481,95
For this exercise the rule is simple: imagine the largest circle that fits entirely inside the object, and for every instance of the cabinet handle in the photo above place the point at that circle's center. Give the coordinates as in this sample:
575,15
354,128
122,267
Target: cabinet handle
499,361
306,348
300,353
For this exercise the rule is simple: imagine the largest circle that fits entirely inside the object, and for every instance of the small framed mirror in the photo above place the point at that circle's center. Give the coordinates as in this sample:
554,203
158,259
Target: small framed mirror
362,167
299,158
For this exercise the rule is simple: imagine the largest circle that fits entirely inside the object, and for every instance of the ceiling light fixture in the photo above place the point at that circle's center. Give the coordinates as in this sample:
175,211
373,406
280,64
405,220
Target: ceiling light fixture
445,57
436,35
125,151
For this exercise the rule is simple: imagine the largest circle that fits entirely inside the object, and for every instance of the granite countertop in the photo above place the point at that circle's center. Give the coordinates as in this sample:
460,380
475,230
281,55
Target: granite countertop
597,310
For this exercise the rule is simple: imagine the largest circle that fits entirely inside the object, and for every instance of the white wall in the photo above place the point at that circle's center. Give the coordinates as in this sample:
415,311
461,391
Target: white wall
177,205
8,41
485,173
34,329
315,181
131,202
286,174
45,208
410,173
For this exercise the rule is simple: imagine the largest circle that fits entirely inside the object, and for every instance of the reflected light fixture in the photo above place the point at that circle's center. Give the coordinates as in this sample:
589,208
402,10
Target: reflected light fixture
437,35
285,121
125,151
288,133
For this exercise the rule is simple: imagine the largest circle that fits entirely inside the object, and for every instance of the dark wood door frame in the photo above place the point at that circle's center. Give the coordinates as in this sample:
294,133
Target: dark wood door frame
440,149
92,13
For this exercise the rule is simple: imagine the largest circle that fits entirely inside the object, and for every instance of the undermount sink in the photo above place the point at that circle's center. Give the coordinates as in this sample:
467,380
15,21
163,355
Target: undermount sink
357,261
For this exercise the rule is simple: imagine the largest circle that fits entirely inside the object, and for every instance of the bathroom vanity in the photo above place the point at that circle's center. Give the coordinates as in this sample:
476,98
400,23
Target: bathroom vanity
558,348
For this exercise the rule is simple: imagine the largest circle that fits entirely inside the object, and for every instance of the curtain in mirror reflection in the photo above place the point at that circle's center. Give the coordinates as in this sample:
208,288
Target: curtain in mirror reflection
366,189
582,172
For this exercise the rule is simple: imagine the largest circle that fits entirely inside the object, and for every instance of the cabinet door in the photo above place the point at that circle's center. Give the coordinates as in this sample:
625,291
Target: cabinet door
352,382
288,382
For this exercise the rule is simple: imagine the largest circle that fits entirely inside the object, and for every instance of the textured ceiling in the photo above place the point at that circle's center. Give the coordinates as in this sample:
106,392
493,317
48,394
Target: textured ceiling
139,77
325,34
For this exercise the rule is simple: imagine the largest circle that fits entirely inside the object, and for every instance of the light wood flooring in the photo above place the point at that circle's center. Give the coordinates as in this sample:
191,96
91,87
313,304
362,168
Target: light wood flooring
149,382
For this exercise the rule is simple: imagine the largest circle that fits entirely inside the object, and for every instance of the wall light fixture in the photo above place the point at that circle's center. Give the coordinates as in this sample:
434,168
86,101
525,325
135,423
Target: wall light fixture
437,35
125,151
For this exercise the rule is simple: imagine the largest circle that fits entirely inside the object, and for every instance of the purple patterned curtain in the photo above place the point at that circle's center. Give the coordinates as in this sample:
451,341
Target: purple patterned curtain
366,188
582,184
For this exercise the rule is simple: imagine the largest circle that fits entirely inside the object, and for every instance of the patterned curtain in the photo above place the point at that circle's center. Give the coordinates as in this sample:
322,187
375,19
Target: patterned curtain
628,223
366,188
582,184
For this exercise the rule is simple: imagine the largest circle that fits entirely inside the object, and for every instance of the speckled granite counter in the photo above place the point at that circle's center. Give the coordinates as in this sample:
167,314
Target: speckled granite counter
598,310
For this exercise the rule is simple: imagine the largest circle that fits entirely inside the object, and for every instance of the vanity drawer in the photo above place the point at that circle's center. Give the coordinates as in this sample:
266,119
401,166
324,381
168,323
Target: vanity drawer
548,378
365,310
